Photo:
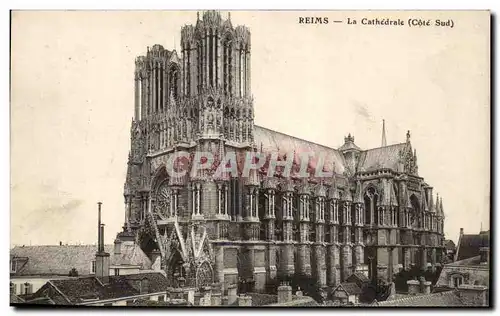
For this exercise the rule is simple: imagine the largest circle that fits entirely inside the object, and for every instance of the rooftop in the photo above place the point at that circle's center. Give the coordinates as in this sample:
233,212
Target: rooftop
59,260
87,289
386,157
448,299
469,245
350,288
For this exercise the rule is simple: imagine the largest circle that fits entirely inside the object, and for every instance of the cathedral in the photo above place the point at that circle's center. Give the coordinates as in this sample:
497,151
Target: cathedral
374,215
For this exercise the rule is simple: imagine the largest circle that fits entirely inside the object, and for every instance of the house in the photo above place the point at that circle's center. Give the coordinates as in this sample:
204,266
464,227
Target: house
463,296
360,279
420,295
14,299
469,244
473,271
119,290
101,288
283,299
472,264
33,266
346,293
451,249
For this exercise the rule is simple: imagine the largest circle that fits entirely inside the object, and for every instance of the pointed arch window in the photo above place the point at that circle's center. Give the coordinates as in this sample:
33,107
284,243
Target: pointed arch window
371,207
242,67
227,65
211,55
335,211
188,70
416,215
173,78
320,204
199,65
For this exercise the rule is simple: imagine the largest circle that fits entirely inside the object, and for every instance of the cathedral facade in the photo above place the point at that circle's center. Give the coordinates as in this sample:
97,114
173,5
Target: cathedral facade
374,214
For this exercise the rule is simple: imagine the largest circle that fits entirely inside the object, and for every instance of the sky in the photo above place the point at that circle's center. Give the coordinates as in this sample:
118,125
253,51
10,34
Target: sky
72,99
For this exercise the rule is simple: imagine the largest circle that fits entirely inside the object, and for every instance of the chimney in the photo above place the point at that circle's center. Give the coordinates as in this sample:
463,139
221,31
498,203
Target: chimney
244,300
207,296
101,257
60,243
99,226
101,245
216,294
413,287
461,231
473,295
284,293
118,247
231,294
484,253
425,286
190,296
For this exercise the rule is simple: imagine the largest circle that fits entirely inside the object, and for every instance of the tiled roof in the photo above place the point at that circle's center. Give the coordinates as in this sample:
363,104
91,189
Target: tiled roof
80,290
157,280
350,287
469,245
259,299
43,301
59,260
89,288
473,261
302,301
151,303
14,299
130,254
358,278
377,158
271,141
450,245
381,158
449,299
477,271
349,146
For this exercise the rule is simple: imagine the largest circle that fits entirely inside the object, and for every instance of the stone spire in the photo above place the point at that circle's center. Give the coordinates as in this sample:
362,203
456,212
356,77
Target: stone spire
384,140
438,208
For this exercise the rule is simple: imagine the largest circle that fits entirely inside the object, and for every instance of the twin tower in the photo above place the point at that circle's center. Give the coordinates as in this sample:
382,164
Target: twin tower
203,93
197,99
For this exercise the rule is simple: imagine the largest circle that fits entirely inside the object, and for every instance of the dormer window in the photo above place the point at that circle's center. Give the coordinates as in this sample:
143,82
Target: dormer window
92,267
26,288
457,280
13,266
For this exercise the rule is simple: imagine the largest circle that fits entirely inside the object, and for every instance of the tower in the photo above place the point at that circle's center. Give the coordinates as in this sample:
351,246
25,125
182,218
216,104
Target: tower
351,153
193,107
194,100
